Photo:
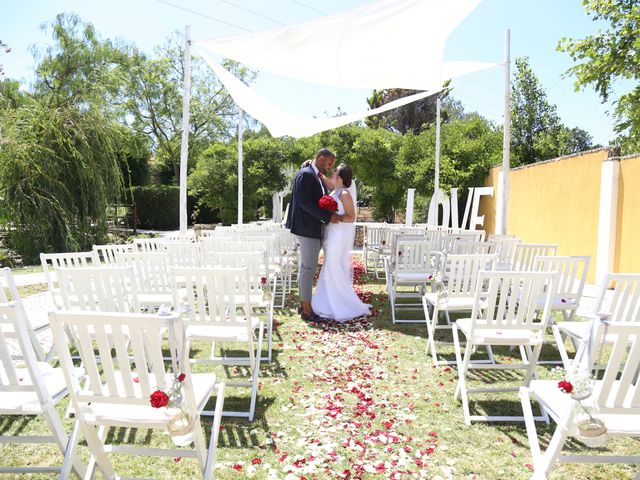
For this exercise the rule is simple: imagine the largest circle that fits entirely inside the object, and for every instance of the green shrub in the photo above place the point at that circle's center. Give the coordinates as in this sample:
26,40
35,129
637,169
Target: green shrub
157,206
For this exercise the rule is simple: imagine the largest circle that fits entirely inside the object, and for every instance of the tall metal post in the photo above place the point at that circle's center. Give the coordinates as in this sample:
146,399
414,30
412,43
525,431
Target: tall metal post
240,167
184,149
436,179
506,139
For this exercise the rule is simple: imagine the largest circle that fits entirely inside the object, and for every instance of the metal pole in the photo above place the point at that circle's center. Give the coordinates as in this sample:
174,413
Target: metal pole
506,139
436,179
240,168
184,150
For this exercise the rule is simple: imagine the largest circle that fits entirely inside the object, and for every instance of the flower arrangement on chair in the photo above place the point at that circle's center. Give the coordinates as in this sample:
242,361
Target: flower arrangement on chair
181,423
591,429
438,285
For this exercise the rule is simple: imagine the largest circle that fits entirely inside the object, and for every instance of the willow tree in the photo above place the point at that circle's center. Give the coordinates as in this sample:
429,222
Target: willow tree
59,172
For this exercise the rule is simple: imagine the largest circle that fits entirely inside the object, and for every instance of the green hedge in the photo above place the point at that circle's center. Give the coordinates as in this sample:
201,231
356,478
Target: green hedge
157,206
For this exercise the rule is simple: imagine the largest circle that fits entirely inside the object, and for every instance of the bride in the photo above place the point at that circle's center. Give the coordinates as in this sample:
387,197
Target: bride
335,298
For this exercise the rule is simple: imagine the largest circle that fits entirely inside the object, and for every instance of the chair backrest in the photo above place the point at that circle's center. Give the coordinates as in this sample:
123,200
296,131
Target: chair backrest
151,270
107,253
463,272
128,365
449,240
372,234
525,254
509,300
413,255
13,326
184,254
8,289
150,244
572,274
51,261
101,289
472,247
211,294
623,305
505,248
618,389
254,262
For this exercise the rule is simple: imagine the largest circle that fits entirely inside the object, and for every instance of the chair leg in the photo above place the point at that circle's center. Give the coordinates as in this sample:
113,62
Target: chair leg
215,433
66,444
255,375
462,387
432,321
98,455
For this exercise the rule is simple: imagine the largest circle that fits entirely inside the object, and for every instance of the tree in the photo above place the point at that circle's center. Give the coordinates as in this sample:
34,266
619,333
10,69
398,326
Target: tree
154,99
536,130
5,49
79,67
413,117
59,172
607,56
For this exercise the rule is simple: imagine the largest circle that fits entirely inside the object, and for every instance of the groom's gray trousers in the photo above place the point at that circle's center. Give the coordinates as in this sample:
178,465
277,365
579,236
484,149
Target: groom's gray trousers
309,252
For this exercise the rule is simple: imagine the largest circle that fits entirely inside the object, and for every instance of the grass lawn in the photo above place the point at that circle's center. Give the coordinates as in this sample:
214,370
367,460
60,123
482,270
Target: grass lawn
354,401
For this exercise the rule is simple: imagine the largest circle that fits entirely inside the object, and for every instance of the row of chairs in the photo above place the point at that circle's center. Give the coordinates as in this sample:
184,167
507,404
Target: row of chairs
121,350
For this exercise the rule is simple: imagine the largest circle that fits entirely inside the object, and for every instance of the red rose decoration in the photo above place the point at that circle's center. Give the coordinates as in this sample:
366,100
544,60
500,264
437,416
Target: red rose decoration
328,203
159,399
263,280
565,386
181,377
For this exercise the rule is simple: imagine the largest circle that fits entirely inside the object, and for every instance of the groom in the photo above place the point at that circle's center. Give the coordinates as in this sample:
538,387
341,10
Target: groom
306,220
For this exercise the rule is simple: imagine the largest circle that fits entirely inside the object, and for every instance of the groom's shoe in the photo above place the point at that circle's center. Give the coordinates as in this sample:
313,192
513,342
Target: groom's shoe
300,310
312,317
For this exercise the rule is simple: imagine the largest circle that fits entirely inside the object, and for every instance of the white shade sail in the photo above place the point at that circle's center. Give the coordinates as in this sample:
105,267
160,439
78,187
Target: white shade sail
280,122
388,44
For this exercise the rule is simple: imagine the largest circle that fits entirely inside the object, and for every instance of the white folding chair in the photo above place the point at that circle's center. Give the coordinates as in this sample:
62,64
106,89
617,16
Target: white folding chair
124,359
370,242
106,254
35,322
504,313
457,295
526,253
100,289
505,249
616,395
623,305
572,274
212,314
51,261
155,244
152,271
407,272
254,262
30,388
449,240
185,254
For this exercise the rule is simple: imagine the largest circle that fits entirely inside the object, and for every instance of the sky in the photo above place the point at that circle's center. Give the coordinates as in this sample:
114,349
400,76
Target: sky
535,29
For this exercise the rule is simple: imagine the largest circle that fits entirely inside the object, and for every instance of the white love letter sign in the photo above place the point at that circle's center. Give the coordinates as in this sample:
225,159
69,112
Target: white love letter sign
471,208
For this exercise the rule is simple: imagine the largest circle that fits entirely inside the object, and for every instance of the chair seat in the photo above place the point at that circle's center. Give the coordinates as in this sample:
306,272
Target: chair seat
411,276
559,405
27,403
220,332
453,303
155,299
127,415
499,336
578,330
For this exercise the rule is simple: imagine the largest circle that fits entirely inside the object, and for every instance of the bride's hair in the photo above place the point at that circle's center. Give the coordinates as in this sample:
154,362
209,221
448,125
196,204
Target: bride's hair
345,173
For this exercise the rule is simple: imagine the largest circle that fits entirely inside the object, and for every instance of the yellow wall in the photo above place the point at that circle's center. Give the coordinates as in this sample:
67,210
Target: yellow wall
627,259
556,201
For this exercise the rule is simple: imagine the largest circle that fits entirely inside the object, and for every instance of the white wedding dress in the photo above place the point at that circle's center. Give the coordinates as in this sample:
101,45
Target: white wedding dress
335,298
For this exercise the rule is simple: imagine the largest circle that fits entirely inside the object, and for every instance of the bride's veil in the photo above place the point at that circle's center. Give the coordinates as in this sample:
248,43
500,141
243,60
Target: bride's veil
354,196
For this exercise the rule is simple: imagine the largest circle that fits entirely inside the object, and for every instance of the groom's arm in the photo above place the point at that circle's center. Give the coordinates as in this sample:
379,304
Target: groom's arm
307,200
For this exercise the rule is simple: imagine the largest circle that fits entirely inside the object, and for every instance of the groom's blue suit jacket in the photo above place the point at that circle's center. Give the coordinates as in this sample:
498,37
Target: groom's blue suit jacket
305,217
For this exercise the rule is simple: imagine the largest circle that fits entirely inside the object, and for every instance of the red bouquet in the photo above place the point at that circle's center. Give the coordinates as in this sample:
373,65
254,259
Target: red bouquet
327,202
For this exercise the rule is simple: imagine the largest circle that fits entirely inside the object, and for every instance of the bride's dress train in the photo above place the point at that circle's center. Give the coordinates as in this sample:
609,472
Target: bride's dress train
335,298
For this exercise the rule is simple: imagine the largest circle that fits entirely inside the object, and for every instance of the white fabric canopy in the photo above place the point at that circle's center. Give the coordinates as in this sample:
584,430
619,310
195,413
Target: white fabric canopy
388,44
280,122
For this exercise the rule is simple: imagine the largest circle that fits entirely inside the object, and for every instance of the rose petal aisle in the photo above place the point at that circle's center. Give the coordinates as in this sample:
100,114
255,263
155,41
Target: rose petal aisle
359,400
